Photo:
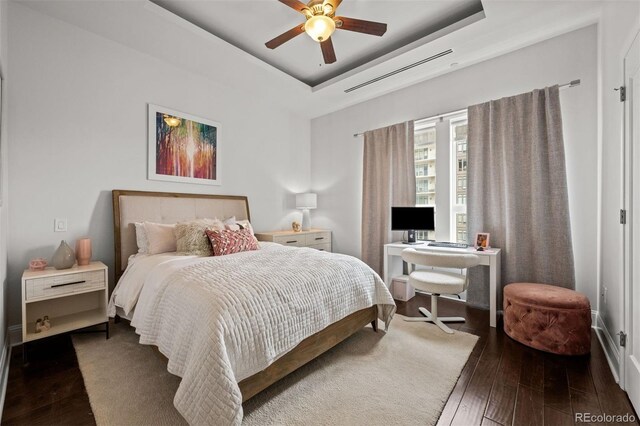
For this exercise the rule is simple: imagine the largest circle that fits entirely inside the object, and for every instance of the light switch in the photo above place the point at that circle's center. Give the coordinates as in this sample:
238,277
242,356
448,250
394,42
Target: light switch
60,225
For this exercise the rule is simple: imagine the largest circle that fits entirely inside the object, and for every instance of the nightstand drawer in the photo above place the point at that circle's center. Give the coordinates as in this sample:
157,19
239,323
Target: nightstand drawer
38,288
321,247
318,238
290,240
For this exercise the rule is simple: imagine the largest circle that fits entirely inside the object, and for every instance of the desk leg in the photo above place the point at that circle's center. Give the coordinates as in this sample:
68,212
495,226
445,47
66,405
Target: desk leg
494,279
392,267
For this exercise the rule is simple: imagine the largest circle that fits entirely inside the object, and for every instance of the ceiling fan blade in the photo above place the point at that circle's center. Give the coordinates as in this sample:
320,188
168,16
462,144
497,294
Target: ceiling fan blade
285,37
360,26
295,4
327,51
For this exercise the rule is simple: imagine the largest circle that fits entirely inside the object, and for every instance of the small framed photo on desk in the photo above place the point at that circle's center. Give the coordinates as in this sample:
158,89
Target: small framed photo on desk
482,240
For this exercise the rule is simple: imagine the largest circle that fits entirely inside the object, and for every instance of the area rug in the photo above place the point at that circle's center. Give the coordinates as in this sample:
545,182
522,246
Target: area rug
403,376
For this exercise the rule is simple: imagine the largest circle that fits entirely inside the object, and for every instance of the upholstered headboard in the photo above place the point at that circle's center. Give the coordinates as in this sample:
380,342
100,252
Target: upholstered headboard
165,207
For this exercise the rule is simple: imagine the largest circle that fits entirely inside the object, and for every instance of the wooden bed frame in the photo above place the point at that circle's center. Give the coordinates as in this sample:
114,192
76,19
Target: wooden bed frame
310,348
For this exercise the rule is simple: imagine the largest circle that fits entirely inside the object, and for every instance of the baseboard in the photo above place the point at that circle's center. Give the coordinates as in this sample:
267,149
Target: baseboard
4,372
15,335
609,345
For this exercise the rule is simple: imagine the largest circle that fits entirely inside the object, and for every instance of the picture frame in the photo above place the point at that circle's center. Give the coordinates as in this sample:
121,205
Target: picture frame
182,147
482,240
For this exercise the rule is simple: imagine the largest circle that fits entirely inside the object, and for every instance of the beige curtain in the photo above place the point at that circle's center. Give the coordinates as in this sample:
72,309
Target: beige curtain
388,180
518,190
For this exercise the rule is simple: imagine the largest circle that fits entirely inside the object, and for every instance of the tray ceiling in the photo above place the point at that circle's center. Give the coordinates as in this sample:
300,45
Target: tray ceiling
249,24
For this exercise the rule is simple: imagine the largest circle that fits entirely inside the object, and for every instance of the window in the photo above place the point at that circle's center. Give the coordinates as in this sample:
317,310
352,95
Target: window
459,152
431,135
425,163
462,183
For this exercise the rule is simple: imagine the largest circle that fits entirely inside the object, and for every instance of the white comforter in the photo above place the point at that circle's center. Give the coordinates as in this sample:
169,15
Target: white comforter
219,320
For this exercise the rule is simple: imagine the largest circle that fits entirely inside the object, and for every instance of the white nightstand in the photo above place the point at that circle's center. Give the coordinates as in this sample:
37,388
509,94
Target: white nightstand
72,299
319,239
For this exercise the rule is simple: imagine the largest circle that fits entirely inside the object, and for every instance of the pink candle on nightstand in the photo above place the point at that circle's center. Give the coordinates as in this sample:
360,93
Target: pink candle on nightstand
83,251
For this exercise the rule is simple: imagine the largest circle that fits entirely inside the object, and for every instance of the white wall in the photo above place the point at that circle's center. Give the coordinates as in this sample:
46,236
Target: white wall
4,349
78,113
336,156
620,22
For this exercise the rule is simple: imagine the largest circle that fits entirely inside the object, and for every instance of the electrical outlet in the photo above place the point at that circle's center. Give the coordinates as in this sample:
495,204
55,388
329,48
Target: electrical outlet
60,225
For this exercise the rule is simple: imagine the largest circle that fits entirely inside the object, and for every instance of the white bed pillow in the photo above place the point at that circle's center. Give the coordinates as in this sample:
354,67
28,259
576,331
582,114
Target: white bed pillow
230,224
141,238
246,224
161,237
234,225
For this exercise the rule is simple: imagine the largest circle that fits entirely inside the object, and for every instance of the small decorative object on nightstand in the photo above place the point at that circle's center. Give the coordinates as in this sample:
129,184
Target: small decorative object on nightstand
46,324
37,264
296,226
319,239
83,251
63,258
58,301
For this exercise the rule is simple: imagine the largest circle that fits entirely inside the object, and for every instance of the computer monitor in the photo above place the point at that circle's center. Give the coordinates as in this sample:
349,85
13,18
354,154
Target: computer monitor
412,219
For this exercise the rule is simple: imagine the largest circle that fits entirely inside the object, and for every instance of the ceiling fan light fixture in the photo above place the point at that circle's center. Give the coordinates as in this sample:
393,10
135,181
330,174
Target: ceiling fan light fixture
319,27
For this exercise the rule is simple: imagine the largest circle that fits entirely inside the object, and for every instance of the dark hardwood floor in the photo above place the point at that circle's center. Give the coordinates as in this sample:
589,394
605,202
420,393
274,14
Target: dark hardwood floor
503,382
507,383
49,390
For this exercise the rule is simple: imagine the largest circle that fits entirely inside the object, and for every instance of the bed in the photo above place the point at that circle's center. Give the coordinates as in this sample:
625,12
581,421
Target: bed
230,326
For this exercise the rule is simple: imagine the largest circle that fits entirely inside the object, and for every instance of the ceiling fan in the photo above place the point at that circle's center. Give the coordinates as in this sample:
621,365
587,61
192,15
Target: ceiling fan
321,23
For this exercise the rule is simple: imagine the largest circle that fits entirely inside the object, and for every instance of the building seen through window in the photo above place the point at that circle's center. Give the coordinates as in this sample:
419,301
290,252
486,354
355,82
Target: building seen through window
425,164
459,209
430,133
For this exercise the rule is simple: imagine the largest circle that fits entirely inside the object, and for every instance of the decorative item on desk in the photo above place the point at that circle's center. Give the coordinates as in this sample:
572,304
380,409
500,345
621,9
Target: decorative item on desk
305,202
482,240
63,258
295,225
37,264
83,251
38,325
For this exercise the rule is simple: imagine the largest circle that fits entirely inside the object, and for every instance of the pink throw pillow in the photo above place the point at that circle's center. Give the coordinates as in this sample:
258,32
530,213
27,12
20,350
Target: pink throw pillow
229,242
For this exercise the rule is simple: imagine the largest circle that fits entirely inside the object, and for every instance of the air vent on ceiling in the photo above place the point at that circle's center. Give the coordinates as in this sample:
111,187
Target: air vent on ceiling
399,70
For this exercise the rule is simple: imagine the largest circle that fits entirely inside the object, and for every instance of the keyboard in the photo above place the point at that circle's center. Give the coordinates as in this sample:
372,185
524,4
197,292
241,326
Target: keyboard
447,244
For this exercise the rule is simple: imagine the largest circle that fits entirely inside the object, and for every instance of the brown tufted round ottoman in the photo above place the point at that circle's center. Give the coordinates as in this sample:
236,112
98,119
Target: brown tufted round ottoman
548,318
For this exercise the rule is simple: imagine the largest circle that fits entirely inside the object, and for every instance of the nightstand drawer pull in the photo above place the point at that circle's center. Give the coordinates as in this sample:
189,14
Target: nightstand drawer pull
292,241
319,238
62,285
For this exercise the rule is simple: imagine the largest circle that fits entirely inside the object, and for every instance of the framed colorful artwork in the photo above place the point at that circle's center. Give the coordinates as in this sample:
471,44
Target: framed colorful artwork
182,147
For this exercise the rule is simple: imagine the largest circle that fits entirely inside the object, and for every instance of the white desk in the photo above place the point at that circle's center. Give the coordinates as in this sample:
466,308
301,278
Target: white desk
489,257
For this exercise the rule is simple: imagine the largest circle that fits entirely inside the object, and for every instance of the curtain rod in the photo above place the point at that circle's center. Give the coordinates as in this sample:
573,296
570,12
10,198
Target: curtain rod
572,83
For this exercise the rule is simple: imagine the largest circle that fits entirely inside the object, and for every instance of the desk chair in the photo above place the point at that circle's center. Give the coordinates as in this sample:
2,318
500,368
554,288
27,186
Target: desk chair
438,282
